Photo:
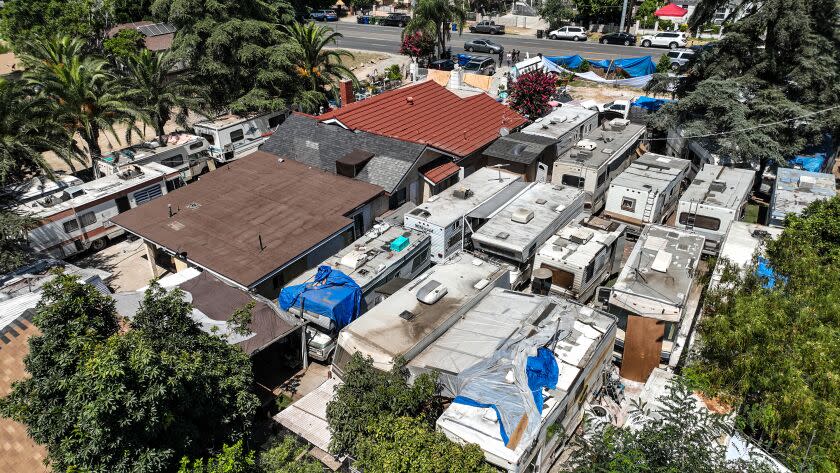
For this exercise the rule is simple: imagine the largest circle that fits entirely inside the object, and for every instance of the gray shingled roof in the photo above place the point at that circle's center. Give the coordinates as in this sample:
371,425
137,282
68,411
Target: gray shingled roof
519,147
318,145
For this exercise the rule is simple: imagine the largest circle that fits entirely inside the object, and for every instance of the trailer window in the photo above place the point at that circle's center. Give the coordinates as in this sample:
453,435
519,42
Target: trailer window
210,139
701,221
419,261
196,145
601,179
628,205
275,120
71,226
237,135
174,161
573,181
87,219
453,240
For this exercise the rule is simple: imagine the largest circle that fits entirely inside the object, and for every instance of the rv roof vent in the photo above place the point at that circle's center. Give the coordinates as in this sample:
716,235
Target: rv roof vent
406,315
431,292
607,137
619,124
522,215
354,260
422,213
608,151
581,236
717,186
502,235
588,145
462,193
661,261
518,148
807,182
540,201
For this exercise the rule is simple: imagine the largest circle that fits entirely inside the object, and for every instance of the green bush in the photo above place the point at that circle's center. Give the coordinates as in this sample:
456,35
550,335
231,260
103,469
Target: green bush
684,27
393,72
584,66
664,64
666,25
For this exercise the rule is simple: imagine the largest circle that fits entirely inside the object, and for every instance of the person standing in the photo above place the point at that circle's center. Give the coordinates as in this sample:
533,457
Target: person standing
501,56
509,58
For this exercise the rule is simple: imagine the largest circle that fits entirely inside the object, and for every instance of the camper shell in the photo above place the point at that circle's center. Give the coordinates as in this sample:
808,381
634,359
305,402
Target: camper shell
796,189
647,191
79,217
565,125
516,232
233,136
717,197
183,152
582,255
451,216
595,161
490,369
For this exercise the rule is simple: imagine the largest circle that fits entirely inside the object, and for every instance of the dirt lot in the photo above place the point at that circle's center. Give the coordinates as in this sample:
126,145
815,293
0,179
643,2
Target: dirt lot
125,260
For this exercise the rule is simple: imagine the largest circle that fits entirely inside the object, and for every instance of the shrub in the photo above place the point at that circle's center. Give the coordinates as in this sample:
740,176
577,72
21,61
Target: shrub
531,93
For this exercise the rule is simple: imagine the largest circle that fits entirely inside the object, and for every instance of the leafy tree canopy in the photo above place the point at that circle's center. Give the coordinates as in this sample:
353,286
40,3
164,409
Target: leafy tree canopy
435,17
22,20
775,351
556,12
531,92
124,44
100,400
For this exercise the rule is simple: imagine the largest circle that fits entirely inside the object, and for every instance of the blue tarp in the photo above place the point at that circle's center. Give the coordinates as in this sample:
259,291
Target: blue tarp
462,59
470,402
542,372
810,163
634,66
569,62
764,270
332,294
650,103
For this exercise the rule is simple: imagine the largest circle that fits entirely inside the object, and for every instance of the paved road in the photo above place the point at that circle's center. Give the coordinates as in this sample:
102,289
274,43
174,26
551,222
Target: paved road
387,39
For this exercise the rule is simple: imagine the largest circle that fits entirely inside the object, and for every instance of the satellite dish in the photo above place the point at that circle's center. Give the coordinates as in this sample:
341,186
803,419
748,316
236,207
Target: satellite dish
503,131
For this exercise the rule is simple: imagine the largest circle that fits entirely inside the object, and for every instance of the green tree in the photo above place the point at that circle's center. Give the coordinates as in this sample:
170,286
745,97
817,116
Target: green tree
25,20
774,351
313,59
287,456
684,438
598,11
125,44
556,12
100,400
435,18
147,81
232,459
664,64
408,445
644,14
368,393
241,318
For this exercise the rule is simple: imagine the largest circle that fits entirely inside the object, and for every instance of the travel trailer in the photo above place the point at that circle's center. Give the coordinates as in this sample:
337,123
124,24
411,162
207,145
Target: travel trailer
39,187
646,192
79,217
451,216
232,136
716,197
796,189
565,125
597,159
580,257
187,154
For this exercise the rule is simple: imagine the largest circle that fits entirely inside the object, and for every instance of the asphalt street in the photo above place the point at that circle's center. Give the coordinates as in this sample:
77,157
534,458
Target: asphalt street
387,39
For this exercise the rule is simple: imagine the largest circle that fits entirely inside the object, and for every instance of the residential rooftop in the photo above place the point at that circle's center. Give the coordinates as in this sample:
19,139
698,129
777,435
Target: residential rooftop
651,171
480,187
559,122
604,144
720,186
251,218
529,219
796,189
429,114
324,146
519,147
579,242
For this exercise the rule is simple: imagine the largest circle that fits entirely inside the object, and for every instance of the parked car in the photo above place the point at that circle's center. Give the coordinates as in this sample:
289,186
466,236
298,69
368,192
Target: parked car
481,65
442,65
626,39
699,48
680,58
320,346
574,33
487,26
395,19
483,46
324,15
615,109
666,39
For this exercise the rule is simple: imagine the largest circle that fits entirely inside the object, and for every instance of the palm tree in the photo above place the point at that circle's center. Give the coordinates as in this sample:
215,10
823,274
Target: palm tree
312,61
146,82
85,95
27,130
435,17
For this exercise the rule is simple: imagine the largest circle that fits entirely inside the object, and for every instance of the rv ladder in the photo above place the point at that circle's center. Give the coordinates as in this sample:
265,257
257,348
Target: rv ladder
649,204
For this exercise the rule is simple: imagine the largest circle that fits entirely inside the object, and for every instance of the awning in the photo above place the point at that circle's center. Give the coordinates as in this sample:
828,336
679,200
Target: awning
440,173
307,417
671,10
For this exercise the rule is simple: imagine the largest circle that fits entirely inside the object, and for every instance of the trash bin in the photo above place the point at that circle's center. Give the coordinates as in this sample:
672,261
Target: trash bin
540,33
454,26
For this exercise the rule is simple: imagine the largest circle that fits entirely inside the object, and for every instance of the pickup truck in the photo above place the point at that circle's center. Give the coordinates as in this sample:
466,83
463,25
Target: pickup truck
487,26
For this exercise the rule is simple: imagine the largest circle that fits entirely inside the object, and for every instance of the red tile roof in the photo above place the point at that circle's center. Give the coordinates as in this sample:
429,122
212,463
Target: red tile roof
439,173
430,114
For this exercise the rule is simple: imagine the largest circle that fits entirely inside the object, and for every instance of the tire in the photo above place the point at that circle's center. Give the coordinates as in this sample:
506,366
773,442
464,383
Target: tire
646,43
492,32
552,36
626,42
604,41
675,67
470,49
99,245
575,38
673,46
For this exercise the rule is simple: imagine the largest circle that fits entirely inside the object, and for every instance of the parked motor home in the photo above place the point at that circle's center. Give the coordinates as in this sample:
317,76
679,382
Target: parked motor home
451,216
565,125
595,161
716,197
79,217
796,189
647,191
232,136
515,233
188,154
39,187
581,256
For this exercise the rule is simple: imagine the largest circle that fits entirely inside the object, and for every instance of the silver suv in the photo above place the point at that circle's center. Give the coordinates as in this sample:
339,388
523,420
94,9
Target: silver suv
481,65
679,58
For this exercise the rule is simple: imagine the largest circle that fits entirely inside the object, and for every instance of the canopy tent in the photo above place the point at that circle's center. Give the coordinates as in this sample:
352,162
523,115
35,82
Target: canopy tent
649,103
332,294
671,10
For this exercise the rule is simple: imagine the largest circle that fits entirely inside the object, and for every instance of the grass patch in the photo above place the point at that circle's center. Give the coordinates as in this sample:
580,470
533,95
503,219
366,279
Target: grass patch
751,214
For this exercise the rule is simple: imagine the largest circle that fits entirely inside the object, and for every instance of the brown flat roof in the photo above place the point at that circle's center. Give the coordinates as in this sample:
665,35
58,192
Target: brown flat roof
217,221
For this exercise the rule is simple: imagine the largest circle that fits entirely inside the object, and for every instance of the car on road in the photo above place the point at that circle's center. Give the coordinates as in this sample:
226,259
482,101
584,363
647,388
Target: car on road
395,19
483,46
442,65
666,39
324,15
487,26
574,33
621,37
680,58
480,65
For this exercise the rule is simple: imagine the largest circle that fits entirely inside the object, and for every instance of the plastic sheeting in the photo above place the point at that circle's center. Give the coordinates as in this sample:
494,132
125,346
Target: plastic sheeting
810,163
472,402
571,62
650,103
765,271
635,82
332,294
542,371
635,66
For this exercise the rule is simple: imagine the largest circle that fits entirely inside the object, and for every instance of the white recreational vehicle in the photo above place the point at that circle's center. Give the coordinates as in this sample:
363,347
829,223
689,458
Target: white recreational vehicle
597,159
232,136
79,217
565,125
38,187
451,216
188,154
516,232
581,256
716,197
647,191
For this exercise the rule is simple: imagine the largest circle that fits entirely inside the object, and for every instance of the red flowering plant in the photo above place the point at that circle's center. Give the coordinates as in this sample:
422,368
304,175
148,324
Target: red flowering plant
417,45
531,92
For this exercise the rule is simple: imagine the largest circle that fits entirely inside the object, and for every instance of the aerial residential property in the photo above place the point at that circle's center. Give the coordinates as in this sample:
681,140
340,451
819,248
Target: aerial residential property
794,190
